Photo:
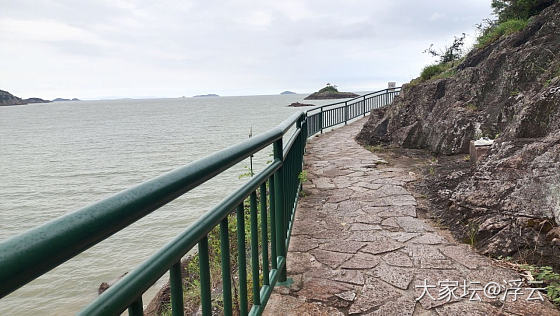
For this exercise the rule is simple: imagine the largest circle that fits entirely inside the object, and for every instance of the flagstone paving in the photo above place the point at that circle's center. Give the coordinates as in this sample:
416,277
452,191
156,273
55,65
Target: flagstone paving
358,247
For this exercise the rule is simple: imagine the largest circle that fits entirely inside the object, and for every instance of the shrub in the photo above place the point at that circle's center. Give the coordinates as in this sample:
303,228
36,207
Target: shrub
502,29
432,70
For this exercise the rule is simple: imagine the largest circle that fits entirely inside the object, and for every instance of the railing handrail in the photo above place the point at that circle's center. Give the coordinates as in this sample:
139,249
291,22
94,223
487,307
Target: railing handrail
31,254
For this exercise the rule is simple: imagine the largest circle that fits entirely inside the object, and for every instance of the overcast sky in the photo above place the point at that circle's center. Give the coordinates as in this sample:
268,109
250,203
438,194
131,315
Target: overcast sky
123,48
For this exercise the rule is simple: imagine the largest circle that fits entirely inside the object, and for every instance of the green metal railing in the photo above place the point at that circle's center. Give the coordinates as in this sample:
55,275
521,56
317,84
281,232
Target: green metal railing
272,196
333,114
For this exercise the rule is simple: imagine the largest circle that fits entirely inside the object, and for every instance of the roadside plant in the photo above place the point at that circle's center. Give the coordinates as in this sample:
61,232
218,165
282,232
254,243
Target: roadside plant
472,231
550,279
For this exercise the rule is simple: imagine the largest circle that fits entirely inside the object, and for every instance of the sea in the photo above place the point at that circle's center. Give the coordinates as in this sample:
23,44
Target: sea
58,157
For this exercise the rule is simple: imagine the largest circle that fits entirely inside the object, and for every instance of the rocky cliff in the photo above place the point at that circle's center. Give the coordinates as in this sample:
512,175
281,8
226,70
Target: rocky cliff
508,90
7,98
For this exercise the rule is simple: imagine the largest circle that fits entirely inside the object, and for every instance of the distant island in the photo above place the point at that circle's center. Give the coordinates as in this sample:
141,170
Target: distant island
206,95
62,99
287,92
7,98
330,92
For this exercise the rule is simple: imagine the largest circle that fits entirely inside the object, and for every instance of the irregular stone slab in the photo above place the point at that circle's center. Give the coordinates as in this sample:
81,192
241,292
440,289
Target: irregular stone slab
401,236
382,245
413,225
361,261
348,206
346,246
340,195
398,259
402,306
397,277
299,262
391,189
323,183
373,294
429,238
368,185
463,255
349,296
348,276
392,211
330,258
391,222
292,306
302,243
334,172
323,290
362,226
363,235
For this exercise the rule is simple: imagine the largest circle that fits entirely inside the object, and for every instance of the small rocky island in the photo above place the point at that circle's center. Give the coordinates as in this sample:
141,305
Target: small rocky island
7,98
330,92
287,92
205,95
297,104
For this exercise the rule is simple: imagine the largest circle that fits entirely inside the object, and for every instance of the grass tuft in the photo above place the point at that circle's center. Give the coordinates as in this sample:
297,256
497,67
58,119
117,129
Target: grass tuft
502,29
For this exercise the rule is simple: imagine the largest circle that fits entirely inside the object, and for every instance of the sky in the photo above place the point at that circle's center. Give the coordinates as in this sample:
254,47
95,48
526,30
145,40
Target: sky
95,49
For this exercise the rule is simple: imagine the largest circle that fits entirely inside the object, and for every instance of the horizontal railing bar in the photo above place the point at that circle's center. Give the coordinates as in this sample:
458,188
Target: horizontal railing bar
290,143
31,254
117,297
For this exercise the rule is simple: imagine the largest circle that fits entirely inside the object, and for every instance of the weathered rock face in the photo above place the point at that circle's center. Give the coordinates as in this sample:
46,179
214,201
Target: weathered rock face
509,90
7,98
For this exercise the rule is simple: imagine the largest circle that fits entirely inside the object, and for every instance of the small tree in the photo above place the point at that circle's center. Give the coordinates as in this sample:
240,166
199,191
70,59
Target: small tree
518,9
451,53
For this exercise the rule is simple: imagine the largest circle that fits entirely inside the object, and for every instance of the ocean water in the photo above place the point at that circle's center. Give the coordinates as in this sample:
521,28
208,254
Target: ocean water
58,157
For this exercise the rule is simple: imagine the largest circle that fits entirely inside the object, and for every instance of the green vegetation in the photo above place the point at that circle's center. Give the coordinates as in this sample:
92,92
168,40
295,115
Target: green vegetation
431,70
449,58
550,279
375,149
467,158
518,9
329,88
511,16
438,71
303,176
496,31
472,230
471,107
432,171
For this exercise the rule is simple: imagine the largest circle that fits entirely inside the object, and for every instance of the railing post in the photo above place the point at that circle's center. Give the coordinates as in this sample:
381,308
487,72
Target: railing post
279,208
364,106
321,120
345,112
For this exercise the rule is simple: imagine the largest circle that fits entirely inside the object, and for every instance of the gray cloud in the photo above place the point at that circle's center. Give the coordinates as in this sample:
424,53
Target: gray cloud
92,48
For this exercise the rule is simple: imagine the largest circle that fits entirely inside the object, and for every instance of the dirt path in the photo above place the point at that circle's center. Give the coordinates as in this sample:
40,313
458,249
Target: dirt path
358,247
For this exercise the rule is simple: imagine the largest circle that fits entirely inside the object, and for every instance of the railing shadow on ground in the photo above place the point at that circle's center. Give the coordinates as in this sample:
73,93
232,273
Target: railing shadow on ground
25,257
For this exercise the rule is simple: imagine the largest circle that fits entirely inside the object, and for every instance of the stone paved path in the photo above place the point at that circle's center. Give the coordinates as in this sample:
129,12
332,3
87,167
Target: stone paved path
358,247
